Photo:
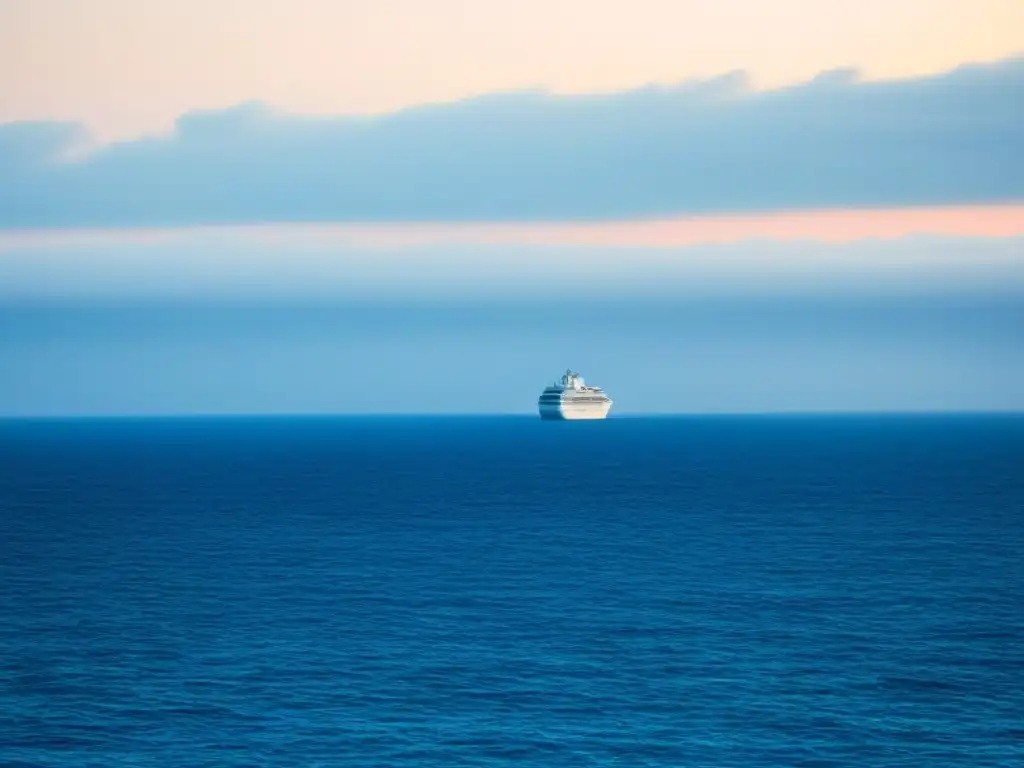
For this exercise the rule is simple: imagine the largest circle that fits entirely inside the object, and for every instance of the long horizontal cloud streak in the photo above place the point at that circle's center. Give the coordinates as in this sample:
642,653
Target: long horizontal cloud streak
701,147
839,226
215,266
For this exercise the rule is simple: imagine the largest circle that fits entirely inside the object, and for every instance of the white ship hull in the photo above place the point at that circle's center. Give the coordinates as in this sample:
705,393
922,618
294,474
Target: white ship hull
575,412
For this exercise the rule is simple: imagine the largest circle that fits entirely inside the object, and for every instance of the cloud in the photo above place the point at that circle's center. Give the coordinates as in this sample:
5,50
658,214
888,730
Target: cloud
247,265
700,147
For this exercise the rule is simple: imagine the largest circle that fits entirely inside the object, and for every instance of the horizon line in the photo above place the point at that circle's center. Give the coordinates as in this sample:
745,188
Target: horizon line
298,415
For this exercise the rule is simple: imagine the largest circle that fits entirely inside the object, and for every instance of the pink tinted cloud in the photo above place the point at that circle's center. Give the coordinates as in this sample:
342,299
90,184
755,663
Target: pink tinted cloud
827,226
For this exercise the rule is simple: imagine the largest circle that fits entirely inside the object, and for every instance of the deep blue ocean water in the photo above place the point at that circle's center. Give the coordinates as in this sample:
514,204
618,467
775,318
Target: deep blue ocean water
719,591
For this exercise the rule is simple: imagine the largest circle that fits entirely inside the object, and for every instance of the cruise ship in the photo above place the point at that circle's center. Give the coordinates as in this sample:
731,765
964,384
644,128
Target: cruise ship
570,398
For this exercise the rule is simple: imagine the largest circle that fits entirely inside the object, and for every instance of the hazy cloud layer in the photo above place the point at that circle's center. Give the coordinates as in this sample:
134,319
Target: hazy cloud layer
699,147
219,266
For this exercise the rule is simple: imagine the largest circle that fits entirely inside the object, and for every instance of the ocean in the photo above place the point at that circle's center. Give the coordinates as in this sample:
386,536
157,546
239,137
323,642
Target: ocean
497,591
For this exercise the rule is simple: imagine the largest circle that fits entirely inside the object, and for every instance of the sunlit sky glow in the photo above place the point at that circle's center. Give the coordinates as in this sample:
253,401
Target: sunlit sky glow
126,67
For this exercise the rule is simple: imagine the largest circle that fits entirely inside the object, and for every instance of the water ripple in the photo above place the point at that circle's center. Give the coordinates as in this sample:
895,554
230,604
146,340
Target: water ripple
473,592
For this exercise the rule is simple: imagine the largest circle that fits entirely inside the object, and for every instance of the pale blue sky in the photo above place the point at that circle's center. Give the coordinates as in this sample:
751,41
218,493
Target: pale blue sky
914,324
703,206
712,355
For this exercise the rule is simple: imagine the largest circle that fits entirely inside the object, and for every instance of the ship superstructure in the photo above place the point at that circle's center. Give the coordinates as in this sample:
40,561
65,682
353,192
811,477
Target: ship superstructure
570,399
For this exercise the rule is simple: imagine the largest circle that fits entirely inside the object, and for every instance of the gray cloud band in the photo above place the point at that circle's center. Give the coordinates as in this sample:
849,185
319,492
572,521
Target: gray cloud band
701,147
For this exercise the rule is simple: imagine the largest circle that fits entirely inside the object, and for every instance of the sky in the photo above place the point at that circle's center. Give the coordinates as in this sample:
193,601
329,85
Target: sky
410,206
125,68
